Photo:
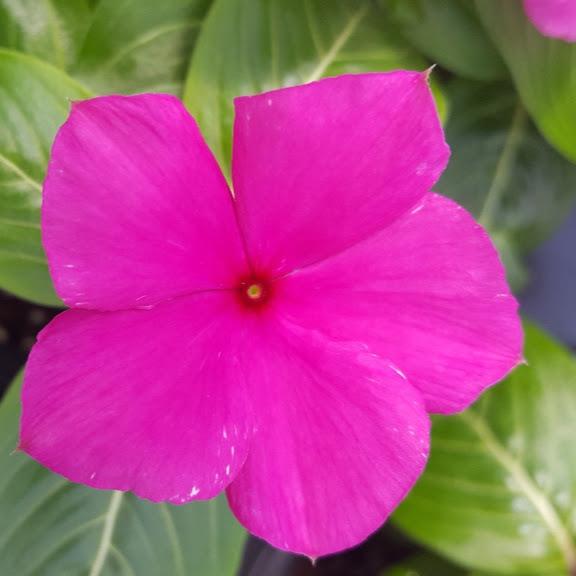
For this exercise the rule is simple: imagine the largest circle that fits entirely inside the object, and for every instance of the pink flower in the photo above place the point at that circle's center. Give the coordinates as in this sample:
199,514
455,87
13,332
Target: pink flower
554,18
286,344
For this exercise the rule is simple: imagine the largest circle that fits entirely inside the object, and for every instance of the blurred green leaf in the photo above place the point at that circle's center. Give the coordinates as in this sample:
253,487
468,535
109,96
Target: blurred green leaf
449,33
542,68
51,527
517,273
499,492
140,45
34,101
50,29
425,564
503,171
249,47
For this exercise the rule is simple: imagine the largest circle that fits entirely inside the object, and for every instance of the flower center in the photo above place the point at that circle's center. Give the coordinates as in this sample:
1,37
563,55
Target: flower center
254,292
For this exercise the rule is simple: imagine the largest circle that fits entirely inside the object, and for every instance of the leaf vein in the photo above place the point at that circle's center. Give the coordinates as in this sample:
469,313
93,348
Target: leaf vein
107,534
539,500
20,172
338,43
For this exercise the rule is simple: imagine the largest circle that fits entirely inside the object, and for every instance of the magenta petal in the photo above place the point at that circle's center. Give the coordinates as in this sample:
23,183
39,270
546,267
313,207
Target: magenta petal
341,438
319,167
554,18
429,293
135,208
143,400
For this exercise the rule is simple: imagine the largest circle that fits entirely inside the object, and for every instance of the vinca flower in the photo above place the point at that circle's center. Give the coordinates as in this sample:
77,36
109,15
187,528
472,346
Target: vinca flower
284,343
554,18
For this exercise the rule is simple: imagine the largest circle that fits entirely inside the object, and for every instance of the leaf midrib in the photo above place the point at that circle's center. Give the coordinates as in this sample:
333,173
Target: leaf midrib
147,38
106,544
527,485
338,44
504,166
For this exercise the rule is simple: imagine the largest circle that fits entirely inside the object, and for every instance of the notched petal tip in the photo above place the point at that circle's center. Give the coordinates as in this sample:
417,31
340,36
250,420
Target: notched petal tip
327,80
354,400
78,105
428,72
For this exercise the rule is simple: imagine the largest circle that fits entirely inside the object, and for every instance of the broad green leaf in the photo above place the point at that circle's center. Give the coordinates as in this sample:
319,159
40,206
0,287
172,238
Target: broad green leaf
542,68
140,45
499,492
49,29
34,100
51,527
449,33
247,47
503,171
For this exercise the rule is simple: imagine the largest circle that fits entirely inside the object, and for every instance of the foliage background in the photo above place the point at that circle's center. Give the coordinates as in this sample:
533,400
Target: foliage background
499,494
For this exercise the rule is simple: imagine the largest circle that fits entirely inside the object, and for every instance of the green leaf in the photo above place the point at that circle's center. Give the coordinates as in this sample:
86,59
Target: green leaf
34,99
140,45
52,527
499,492
503,171
50,29
249,47
449,33
542,68
517,274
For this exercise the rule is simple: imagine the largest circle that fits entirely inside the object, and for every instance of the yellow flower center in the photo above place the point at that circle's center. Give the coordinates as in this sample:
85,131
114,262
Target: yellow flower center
254,291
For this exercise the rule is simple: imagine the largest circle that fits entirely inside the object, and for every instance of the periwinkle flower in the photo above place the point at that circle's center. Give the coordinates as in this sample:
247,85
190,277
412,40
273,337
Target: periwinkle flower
285,343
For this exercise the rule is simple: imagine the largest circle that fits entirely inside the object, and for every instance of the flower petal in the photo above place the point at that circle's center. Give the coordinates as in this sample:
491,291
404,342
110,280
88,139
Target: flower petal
319,167
144,400
341,438
429,293
135,208
554,18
